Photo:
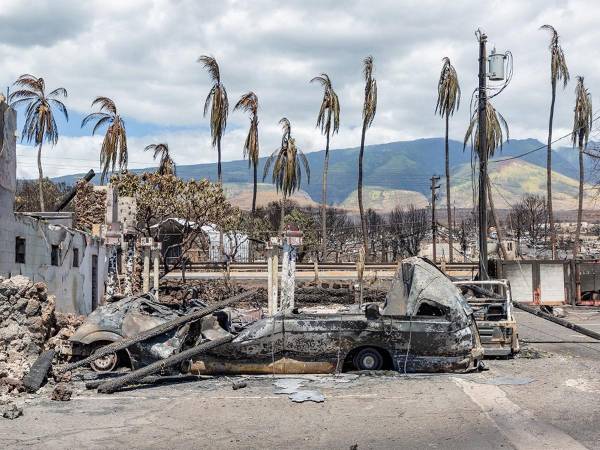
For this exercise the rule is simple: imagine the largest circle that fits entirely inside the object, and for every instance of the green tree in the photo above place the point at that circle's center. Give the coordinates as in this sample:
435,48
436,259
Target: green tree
447,102
495,129
166,165
249,103
218,104
287,162
114,145
582,125
368,114
558,72
328,120
40,124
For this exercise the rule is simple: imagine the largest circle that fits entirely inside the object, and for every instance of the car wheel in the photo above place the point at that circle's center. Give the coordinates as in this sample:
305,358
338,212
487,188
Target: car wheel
368,359
105,363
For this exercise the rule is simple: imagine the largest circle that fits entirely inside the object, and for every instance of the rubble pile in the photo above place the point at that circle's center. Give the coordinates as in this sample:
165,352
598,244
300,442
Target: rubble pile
90,206
27,317
66,324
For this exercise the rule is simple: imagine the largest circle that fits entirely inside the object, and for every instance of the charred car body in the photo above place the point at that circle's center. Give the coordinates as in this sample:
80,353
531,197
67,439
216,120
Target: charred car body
425,325
491,302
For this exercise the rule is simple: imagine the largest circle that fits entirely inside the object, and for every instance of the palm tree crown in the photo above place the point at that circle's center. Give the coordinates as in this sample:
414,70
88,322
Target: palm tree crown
582,119
249,103
287,162
166,166
370,104
330,106
114,145
558,64
217,102
496,128
448,90
39,124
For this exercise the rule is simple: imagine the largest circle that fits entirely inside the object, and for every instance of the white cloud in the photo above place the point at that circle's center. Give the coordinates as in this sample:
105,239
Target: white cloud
143,55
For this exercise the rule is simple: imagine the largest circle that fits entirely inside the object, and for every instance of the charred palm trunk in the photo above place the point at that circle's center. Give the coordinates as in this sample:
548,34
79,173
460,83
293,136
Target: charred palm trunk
580,203
324,203
363,219
41,178
499,234
448,202
549,173
219,174
283,199
254,190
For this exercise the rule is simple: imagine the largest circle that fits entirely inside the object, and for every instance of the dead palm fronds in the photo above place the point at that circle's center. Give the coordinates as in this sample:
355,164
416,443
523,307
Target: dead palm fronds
287,162
448,101
114,145
166,165
368,114
558,72
582,125
328,120
216,101
249,103
496,128
40,124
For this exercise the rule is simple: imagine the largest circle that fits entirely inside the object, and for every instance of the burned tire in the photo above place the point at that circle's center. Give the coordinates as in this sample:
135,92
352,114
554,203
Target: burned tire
106,363
368,359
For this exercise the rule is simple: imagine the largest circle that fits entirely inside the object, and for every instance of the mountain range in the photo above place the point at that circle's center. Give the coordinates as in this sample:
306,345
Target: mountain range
398,173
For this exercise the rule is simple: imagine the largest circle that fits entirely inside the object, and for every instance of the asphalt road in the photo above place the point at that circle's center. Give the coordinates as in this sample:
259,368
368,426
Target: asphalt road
546,398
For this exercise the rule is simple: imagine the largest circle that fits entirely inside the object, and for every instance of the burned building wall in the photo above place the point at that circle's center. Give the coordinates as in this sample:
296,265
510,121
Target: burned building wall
70,262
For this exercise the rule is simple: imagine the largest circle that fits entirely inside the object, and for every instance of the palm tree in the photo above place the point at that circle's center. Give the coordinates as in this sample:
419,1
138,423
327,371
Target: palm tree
448,101
249,103
496,127
166,166
558,71
287,162
39,124
218,104
329,111
368,114
114,145
582,124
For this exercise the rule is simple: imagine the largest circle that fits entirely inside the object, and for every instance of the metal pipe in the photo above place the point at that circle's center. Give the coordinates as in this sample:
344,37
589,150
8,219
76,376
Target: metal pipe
69,195
557,320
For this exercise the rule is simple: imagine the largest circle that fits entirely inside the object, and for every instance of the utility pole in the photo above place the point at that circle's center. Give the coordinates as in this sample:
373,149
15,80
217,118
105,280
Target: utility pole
482,153
434,187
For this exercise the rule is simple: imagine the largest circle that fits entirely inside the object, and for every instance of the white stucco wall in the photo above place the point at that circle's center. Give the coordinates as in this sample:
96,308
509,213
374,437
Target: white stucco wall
72,286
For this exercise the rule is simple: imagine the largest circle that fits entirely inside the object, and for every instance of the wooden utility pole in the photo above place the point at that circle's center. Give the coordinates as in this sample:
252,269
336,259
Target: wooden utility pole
483,159
434,187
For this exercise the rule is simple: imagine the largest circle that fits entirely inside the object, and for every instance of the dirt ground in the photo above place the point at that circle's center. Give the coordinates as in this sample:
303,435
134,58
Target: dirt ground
546,398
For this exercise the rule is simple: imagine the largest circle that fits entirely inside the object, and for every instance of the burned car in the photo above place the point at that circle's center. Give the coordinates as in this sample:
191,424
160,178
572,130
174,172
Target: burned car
424,325
493,310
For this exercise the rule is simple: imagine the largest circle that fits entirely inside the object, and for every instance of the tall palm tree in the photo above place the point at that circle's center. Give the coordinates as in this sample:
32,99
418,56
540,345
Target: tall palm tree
328,113
114,145
166,165
217,102
558,72
448,101
39,124
368,114
249,103
496,127
287,162
582,124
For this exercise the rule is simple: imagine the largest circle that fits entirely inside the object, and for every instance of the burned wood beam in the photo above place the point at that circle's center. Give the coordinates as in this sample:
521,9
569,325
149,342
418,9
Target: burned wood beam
557,320
156,331
69,195
114,384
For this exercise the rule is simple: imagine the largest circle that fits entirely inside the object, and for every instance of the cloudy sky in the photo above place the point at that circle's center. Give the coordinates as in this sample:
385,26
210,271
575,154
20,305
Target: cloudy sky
143,54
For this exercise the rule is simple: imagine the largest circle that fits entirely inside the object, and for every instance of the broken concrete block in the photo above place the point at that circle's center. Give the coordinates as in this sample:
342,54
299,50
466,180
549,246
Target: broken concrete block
62,392
10,410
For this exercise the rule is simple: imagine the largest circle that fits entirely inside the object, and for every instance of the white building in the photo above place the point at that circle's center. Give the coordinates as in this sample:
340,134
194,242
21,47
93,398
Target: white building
43,246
